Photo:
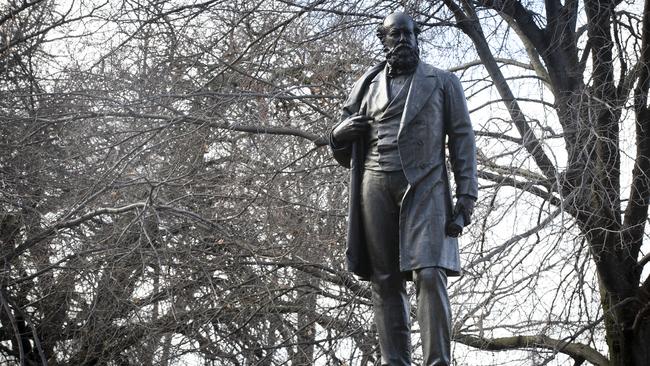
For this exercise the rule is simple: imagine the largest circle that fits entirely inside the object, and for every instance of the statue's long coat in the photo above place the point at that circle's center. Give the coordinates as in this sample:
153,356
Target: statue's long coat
435,108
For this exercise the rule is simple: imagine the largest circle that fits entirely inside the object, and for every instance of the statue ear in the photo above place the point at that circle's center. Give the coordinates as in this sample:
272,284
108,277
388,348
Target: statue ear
381,32
416,29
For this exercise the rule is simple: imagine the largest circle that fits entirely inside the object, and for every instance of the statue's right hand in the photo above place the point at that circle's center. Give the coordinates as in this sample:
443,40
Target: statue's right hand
351,128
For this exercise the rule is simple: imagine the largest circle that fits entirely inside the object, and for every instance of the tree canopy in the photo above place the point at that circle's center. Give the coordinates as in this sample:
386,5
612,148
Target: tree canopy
167,198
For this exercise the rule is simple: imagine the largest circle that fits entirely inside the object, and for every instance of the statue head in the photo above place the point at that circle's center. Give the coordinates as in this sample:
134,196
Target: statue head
398,34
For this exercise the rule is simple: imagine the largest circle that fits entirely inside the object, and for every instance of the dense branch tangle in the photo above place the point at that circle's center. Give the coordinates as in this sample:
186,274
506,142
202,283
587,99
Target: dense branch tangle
163,199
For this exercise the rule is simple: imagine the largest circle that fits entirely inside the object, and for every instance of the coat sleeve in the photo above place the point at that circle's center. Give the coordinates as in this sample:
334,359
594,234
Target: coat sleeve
341,152
462,145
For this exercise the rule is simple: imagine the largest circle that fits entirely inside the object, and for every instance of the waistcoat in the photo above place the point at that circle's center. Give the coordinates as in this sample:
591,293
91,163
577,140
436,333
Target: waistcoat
385,104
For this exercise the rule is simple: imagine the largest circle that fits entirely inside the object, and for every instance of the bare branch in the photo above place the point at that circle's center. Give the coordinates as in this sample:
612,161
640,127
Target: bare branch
576,350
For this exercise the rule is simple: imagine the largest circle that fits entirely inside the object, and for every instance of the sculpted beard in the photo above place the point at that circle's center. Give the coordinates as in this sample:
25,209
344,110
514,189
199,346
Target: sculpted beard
403,57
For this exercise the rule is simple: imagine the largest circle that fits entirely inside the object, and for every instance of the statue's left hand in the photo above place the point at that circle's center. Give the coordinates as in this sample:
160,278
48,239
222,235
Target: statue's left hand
462,216
464,206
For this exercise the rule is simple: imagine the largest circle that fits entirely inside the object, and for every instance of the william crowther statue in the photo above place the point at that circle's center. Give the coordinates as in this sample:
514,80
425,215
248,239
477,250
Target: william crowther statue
400,225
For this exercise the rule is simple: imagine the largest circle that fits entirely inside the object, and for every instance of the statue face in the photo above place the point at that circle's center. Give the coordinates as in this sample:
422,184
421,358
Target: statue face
400,42
400,31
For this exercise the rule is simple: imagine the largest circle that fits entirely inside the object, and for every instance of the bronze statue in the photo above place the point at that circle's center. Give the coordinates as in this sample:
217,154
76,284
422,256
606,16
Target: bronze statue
401,225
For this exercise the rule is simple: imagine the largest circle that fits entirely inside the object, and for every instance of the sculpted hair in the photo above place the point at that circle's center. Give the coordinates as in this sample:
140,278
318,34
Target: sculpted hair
382,31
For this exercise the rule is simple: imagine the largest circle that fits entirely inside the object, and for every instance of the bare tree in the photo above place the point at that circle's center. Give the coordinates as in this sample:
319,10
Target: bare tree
594,90
166,196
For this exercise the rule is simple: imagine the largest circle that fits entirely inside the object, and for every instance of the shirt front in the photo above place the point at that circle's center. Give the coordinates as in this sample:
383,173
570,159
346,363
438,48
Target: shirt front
385,103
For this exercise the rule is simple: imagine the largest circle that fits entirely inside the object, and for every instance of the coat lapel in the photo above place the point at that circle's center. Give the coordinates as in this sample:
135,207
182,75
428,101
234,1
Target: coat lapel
359,90
421,88
377,98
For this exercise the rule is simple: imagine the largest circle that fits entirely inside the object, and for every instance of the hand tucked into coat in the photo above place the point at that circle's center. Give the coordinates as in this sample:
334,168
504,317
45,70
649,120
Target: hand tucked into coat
350,129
